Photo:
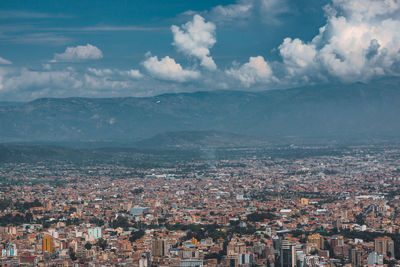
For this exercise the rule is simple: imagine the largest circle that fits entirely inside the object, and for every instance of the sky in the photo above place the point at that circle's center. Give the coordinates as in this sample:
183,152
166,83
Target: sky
99,48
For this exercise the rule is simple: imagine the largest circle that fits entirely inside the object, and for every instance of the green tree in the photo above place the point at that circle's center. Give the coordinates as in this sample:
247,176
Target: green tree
135,235
88,246
72,254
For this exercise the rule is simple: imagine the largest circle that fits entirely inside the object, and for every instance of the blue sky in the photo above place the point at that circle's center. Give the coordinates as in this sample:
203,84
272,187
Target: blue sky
142,48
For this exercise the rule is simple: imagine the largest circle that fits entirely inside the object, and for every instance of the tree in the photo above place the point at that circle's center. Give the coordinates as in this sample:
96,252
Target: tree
135,235
88,246
122,222
259,217
72,254
102,243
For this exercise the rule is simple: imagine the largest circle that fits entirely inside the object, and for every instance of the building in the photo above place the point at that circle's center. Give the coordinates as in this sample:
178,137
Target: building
245,259
136,211
375,259
288,254
317,240
304,201
47,244
159,248
10,251
191,263
95,232
384,246
356,257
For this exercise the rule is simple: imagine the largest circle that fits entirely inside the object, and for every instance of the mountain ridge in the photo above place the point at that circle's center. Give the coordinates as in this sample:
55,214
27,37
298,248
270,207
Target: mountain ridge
323,111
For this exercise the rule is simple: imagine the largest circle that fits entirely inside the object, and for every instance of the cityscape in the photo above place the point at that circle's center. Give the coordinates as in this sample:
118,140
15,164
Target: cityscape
211,133
336,208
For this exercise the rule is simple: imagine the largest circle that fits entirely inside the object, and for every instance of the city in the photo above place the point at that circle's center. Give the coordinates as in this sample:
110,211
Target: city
289,209
211,133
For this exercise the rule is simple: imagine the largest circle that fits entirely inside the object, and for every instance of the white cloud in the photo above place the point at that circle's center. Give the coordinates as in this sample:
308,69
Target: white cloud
196,38
132,73
4,61
80,52
270,9
265,10
25,79
17,14
105,28
360,40
367,9
100,72
29,84
168,69
233,11
256,70
299,59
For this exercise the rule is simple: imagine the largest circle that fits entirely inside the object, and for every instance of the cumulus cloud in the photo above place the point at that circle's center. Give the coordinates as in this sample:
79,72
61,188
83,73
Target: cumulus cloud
196,38
168,69
78,53
256,70
4,61
367,9
299,59
360,40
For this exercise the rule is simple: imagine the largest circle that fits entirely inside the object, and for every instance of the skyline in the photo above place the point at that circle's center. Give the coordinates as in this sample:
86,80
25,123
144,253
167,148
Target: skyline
88,49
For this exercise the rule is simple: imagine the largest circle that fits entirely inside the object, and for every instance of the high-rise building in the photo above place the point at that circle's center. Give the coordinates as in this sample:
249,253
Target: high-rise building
247,259
384,246
94,232
288,254
159,248
47,244
356,257
318,241
11,250
375,259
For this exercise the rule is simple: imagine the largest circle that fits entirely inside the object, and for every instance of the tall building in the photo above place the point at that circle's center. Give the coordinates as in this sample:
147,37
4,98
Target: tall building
159,248
94,232
384,246
375,259
47,244
288,254
318,241
10,251
356,257
247,259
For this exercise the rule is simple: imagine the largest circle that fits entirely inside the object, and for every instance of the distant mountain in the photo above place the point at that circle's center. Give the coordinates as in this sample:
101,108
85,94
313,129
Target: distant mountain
6,103
358,111
11,153
198,139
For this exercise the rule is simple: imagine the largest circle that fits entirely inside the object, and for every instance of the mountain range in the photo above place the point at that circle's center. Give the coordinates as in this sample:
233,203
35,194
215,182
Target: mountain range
355,111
